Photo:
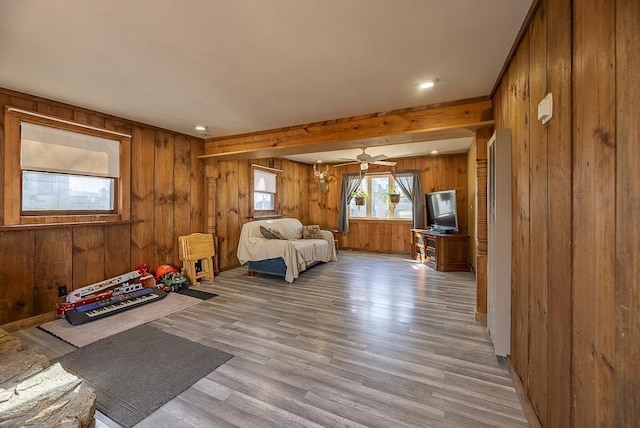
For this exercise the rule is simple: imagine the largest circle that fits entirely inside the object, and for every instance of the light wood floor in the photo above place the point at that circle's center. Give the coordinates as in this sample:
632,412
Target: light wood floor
371,340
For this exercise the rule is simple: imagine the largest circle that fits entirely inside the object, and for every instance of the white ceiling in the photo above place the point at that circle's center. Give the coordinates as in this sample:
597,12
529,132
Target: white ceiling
241,66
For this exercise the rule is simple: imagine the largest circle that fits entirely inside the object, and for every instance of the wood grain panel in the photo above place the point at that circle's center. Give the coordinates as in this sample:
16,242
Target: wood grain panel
462,198
117,250
12,171
182,191
16,276
21,101
125,179
163,199
56,110
482,138
245,178
142,197
519,105
118,125
197,181
88,118
378,236
594,146
304,189
88,256
539,232
219,170
286,185
53,257
226,198
4,100
627,274
231,210
559,198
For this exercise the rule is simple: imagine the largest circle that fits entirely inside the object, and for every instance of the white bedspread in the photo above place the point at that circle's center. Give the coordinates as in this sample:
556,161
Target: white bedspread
297,253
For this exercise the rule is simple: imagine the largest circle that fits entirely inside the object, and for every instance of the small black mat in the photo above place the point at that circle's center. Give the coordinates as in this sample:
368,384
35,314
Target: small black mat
137,371
202,295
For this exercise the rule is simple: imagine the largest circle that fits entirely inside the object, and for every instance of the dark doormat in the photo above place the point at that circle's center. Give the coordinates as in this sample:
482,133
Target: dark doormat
202,295
137,371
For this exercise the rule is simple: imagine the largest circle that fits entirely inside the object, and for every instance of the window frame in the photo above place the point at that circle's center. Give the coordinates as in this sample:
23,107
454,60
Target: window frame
367,178
276,196
11,198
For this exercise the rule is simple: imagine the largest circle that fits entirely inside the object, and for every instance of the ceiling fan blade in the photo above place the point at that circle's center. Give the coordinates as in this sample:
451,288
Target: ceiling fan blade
385,163
378,158
345,164
349,159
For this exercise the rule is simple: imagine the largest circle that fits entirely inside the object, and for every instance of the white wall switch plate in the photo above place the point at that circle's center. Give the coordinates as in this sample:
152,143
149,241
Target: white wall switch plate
545,109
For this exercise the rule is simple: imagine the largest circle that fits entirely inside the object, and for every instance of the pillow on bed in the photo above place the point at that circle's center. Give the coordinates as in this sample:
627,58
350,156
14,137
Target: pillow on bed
311,232
271,233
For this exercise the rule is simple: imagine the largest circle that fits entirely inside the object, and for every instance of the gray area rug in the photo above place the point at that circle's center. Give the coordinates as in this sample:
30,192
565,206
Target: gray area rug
137,371
202,295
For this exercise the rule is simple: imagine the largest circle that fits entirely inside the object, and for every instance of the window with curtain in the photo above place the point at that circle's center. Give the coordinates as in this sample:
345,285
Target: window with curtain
378,204
67,172
264,190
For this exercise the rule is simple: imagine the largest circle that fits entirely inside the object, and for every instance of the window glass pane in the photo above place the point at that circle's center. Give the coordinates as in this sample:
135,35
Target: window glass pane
358,210
404,208
379,202
43,191
263,201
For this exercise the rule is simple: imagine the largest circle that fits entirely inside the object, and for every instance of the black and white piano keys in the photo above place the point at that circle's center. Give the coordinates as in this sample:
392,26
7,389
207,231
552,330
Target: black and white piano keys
113,305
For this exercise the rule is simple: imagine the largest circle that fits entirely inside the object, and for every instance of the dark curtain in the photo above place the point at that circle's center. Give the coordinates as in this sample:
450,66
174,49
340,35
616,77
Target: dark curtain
411,186
350,183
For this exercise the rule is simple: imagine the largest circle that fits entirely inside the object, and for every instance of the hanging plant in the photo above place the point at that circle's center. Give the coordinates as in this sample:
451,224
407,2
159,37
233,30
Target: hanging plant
359,195
391,198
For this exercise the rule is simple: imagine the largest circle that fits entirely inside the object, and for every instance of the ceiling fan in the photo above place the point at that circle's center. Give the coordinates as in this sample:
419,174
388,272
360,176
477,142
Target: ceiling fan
365,159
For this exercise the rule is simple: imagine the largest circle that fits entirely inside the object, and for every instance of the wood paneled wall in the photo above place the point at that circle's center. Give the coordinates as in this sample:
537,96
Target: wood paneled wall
167,200
301,198
437,173
576,252
232,204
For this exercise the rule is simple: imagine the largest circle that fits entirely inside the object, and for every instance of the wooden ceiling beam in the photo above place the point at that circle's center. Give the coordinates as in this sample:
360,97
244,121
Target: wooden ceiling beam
333,135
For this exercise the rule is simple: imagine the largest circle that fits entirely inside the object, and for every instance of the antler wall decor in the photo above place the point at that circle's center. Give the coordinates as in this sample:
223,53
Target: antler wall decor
322,176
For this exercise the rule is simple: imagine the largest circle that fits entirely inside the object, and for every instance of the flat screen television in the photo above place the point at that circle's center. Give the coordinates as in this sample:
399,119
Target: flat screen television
442,214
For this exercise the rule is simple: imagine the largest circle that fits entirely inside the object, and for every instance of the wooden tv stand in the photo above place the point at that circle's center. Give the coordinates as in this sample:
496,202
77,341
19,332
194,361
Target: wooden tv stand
443,252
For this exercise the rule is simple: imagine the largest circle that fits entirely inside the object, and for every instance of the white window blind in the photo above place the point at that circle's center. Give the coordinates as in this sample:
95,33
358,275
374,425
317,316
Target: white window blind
56,150
264,181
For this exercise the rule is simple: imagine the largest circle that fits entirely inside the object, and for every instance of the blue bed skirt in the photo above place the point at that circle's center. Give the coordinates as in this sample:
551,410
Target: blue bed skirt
271,266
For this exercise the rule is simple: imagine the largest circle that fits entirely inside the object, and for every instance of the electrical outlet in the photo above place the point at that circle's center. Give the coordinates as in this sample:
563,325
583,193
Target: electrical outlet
62,291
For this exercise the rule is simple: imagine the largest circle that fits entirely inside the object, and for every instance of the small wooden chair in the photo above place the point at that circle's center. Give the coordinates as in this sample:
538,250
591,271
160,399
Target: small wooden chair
197,247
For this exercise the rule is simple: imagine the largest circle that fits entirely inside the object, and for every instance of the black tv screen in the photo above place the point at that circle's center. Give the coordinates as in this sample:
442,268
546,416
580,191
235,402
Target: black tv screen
442,213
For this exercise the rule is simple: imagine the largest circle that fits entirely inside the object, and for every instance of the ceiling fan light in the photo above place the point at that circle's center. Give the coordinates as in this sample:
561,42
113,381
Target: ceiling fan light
363,166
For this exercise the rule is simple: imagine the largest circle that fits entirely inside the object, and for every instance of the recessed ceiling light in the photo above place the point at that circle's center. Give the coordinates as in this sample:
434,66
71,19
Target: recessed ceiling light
428,83
434,152
319,161
200,127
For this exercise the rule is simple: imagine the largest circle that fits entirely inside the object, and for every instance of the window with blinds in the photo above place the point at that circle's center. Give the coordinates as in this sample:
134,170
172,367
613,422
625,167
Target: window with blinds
264,190
66,171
